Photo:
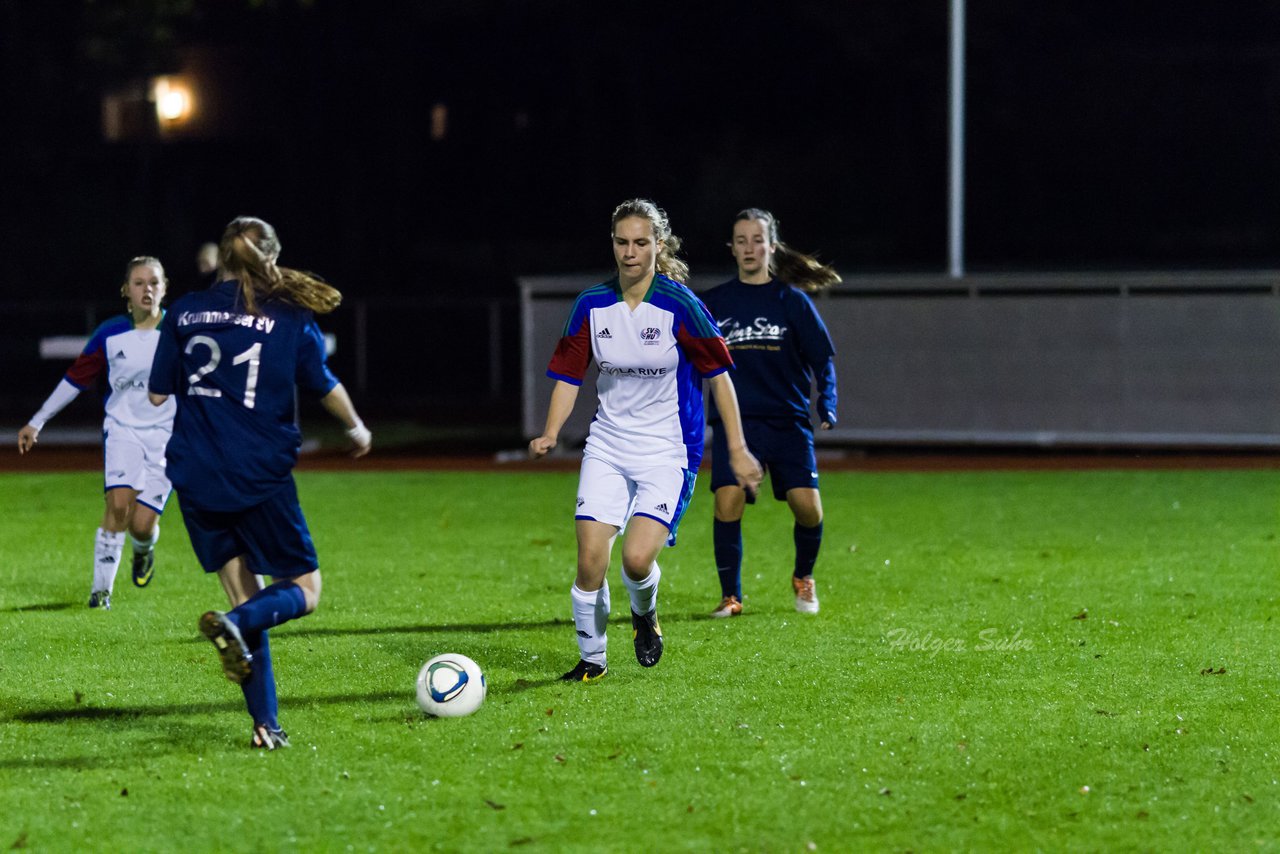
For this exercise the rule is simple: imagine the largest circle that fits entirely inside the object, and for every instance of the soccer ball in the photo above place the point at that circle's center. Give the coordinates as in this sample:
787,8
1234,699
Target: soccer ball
450,686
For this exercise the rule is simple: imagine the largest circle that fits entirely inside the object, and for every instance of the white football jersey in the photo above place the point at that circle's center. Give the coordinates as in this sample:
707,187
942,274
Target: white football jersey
652,361
124,354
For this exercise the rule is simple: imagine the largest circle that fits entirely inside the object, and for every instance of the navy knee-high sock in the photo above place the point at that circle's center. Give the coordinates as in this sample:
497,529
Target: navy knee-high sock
727,537
260,688
808,543
269,607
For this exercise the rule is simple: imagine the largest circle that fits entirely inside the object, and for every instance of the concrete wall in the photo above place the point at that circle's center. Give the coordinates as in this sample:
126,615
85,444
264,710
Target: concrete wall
1153,360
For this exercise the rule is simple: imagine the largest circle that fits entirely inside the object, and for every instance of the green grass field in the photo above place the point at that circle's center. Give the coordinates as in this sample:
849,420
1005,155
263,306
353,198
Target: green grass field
1004,661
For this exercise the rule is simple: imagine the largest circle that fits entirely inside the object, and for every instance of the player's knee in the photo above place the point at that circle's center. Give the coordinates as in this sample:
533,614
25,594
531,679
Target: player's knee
310,586
637,564
119,515
729,515
806,507
592,562
142,531
730,502
810,517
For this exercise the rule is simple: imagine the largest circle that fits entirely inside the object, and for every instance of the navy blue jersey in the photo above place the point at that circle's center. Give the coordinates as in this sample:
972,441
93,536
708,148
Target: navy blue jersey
233,373
780,346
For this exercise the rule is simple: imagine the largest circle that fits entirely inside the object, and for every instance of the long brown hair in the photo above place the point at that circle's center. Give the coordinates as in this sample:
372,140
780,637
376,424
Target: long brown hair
248,252
667,263
795,268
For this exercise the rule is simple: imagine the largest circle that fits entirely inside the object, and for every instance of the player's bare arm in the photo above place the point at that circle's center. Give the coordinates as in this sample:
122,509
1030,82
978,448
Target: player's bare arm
338,404
563,397
745,466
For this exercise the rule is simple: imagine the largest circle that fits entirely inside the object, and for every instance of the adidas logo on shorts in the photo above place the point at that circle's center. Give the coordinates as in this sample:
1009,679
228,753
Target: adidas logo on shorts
663,508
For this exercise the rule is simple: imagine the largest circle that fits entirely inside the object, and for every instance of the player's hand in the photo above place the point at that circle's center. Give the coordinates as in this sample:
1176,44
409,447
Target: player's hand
825,425
540,446
746,468
361,440
27,438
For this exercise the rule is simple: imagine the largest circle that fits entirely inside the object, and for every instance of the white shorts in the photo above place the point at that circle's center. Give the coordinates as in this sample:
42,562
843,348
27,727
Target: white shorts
134,459
612,493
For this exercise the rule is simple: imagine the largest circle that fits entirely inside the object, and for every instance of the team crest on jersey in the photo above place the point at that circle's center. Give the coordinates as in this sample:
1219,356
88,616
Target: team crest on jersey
650,335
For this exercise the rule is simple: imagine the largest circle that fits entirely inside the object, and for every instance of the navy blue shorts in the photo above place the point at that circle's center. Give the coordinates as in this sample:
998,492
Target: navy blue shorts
273,536
784,449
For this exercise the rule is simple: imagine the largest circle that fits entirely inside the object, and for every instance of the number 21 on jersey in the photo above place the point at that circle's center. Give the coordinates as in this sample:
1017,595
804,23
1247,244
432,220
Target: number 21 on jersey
251,356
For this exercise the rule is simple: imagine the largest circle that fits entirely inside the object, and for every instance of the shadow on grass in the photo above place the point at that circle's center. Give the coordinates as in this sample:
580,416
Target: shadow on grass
428,628
98,713
39,606
180,735
521,685
478,628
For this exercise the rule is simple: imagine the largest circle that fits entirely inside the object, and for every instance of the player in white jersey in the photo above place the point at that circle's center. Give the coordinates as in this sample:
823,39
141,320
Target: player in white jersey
134,432
654,342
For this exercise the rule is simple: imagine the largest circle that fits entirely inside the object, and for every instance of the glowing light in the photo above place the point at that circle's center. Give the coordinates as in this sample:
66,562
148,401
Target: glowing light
173,105
173,100
439,122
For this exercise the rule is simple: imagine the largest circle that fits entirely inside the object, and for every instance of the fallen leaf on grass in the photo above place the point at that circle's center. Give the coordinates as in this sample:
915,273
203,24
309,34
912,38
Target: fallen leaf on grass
494,805
1209,671
1083,615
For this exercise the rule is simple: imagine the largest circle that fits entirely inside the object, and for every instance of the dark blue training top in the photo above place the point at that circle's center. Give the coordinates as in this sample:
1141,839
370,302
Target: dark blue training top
234,438
779,346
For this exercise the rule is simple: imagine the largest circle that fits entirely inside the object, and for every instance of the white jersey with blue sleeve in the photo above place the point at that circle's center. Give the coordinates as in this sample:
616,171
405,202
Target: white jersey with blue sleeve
123,353
652,361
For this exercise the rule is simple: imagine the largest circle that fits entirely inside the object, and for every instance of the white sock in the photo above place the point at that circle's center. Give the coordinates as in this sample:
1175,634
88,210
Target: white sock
644,593
590,619
141,547
107,548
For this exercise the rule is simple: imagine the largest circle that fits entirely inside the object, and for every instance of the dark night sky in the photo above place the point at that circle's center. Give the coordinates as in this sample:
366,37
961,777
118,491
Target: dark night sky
1100,135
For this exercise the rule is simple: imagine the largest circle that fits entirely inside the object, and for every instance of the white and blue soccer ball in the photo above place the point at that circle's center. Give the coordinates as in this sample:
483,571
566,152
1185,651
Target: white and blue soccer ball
450,686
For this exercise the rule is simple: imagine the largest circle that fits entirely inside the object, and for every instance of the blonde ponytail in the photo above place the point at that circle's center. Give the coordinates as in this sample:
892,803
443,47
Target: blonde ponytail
248,252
